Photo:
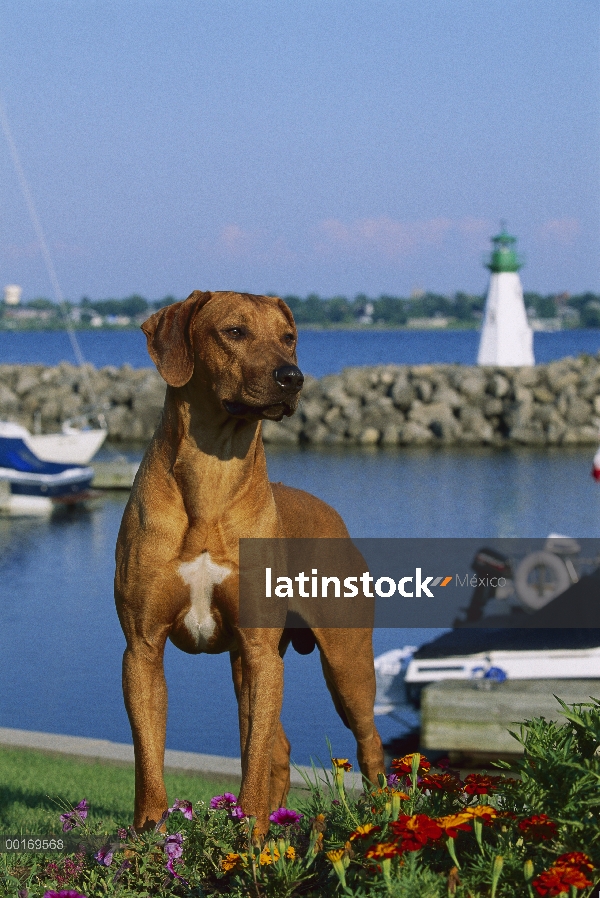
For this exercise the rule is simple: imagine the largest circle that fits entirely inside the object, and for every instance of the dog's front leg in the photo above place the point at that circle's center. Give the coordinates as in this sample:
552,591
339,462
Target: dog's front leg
280,757
260,701
145,692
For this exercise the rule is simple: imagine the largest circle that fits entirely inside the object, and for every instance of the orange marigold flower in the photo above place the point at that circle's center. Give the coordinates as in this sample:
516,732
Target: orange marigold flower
361,832
342,763
559,879
271,853
387,792
404,765
452,823
382,850
336,855
232,861
575,859
415,831
401,795
443,781
481,784
538,827
483,812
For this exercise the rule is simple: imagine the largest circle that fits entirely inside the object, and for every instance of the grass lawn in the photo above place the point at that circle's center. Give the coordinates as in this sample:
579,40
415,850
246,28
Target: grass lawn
34,786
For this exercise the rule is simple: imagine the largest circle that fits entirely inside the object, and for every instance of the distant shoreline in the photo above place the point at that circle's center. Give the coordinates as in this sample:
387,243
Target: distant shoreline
358,328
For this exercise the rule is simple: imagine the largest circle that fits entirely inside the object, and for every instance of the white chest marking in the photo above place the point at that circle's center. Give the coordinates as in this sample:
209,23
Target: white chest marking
201,575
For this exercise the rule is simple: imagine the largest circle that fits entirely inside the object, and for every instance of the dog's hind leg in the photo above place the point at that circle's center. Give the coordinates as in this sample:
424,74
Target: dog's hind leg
279,785
350,675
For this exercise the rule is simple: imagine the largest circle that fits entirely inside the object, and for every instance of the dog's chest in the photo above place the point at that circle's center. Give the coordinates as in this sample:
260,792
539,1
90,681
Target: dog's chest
201,574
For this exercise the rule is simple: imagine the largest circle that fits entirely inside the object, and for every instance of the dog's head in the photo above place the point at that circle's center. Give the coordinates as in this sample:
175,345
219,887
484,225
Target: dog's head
240,346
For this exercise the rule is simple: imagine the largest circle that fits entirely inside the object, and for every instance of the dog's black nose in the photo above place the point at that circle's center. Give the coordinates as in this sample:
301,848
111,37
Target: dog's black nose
289,378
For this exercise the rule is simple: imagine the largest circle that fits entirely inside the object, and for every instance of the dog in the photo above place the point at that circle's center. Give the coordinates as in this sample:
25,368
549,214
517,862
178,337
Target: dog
229,361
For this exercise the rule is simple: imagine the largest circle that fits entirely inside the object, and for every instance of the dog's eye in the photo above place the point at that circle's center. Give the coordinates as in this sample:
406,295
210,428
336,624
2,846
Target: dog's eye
289,339
237,333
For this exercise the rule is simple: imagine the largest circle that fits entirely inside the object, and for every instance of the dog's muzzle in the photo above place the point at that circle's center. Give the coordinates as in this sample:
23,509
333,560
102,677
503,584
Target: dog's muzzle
289,378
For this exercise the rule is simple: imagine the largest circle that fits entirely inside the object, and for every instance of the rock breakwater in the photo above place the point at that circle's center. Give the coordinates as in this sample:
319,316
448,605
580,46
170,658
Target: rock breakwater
389,405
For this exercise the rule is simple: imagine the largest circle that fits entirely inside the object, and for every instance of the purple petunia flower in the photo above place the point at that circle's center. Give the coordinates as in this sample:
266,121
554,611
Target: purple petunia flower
285,817
393,780
64,893
223,802
173,845
184,806
74,817
227,802
105,855
170,865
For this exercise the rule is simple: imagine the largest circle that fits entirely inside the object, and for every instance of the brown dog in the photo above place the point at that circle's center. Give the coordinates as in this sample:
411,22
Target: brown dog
229,360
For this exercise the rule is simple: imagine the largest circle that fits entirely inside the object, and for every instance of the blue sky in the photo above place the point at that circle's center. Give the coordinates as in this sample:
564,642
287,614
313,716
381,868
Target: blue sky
336,147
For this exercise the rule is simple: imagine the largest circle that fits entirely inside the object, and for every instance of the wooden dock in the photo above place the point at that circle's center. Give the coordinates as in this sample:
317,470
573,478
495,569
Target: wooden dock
114,475
459,717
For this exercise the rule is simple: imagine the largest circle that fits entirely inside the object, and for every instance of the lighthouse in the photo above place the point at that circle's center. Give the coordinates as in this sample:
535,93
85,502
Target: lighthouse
506,337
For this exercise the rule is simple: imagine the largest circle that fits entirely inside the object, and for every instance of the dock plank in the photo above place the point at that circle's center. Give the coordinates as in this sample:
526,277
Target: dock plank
114,475
458,716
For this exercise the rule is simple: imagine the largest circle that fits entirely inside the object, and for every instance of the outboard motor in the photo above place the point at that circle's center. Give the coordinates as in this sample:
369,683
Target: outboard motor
488,564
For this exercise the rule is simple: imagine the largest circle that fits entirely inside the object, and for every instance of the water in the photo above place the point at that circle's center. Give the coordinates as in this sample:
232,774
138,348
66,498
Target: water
319,352
61,644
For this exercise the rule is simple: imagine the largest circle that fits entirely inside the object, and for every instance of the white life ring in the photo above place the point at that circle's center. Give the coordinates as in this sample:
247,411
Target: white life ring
540,578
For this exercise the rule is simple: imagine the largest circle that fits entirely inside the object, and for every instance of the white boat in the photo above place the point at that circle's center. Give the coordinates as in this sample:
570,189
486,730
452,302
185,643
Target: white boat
537,648
74,445
30,485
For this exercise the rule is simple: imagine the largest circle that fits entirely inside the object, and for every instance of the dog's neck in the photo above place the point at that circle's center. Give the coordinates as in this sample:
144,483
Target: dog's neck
218,460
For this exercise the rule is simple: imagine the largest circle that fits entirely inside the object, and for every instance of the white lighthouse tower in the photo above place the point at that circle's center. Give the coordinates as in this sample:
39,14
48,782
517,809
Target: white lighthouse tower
506,337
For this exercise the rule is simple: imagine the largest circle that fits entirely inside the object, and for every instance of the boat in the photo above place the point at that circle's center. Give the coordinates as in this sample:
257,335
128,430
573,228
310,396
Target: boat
538,644
75,445
30,485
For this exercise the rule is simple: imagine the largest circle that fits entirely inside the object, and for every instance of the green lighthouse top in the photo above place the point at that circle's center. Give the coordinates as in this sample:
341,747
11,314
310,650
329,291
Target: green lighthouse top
504,256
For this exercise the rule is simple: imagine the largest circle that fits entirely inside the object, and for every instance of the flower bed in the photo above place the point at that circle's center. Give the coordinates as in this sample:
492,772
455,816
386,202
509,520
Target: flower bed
418,832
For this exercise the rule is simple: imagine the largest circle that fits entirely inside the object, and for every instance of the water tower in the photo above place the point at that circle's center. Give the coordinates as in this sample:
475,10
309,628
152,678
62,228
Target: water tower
506,337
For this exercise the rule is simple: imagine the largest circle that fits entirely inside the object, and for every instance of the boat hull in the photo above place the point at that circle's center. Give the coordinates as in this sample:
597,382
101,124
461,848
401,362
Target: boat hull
30,485
73,447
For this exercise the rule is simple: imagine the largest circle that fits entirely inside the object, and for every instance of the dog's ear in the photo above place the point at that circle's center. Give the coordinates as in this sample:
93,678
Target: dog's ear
169,336
286,311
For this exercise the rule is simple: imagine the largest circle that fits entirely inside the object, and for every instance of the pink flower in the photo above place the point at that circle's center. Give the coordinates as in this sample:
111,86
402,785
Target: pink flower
170,865
227,802
173,845
105,855
185,807
224,801
285,817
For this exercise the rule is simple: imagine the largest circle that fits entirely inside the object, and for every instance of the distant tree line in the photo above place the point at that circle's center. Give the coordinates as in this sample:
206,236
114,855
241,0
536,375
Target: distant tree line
463,309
